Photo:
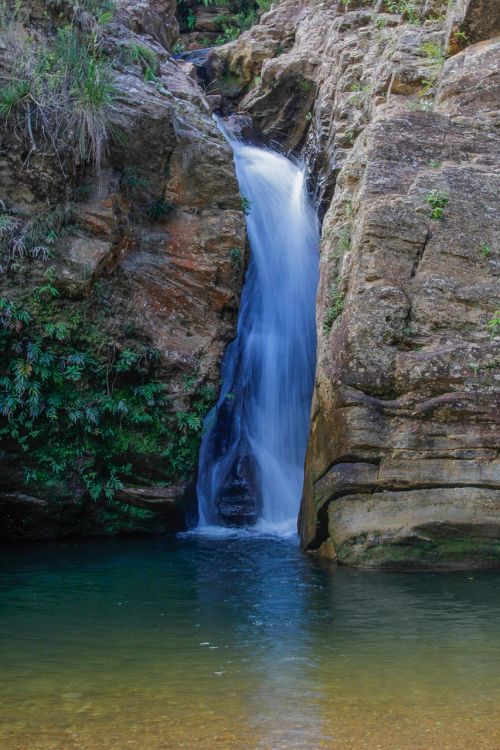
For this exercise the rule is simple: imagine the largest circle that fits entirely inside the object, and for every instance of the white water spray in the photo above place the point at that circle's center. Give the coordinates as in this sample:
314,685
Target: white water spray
253,450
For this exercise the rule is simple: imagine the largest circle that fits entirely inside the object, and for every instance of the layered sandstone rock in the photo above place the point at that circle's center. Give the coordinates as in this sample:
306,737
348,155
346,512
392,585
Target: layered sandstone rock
403,460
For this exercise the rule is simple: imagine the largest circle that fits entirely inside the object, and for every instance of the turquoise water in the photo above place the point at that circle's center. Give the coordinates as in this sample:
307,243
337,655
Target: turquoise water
240,643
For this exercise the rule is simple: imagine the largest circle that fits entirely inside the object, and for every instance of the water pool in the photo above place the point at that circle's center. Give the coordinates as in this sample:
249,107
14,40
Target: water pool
240,643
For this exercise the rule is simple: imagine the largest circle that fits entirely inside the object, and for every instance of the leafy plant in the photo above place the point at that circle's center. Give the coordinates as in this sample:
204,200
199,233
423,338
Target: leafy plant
485,249
59,98
407,8
437,201
75,408
434,51
33,237
345,239
235,23
159,209
494,324
101,10
191,20
360,92
304,84
131,182
350,135
142,56
236,258
178,48
462,37
246,205
335,308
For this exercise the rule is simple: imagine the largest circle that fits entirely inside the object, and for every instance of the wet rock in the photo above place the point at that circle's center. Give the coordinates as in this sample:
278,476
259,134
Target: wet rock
238,504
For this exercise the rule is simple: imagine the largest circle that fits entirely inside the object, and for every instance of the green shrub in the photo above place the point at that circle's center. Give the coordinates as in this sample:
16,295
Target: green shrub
434,51
246,205
75,408
335,308
35,236
241,15
437,201
407,8
144,57
101,10
58,99
236,258
159,209
494,324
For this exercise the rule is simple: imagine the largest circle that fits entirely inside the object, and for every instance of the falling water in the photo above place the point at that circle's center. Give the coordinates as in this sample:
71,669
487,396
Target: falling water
252,454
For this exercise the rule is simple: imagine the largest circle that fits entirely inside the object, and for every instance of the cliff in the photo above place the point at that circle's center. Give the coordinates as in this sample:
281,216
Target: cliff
123,246
395,108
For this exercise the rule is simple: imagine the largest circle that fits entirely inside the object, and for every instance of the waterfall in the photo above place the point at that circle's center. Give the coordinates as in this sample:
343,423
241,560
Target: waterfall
253,449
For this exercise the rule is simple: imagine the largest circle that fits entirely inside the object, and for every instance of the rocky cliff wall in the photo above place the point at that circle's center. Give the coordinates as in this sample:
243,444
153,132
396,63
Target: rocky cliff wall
395,107
149,264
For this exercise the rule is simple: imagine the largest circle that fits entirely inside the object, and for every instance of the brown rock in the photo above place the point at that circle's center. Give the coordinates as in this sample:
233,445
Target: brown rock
158,228
155,18
406,383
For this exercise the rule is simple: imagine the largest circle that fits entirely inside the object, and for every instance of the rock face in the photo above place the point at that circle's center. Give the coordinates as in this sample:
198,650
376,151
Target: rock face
403,460
152,248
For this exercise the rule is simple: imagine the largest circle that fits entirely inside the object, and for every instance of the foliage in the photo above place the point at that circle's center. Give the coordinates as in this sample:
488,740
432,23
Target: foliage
58,98
131,182
345,239
434,51
144,57
486,249
246,205
236,258
235,24
178,48
350,135
159,209
407,8
77,409
335,308
360,93
240,16
101,10
34,236
437,201
304,84
494,324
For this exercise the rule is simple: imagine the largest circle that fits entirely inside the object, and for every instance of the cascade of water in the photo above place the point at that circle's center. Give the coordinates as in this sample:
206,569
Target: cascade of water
253,449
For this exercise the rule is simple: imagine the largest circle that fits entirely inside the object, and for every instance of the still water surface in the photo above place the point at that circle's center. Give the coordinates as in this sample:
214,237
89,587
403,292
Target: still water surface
243,643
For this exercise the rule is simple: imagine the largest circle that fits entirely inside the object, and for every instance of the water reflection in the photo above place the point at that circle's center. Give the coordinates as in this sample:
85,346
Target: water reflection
240,643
